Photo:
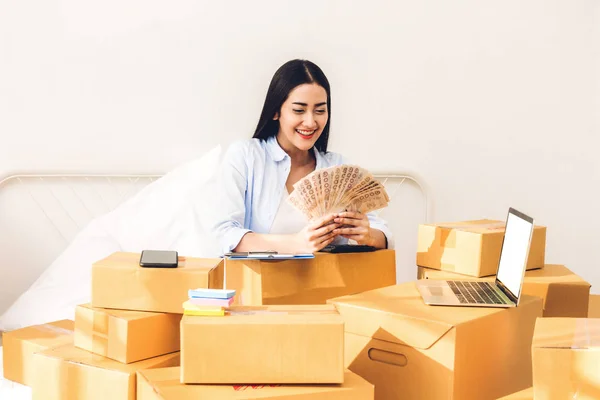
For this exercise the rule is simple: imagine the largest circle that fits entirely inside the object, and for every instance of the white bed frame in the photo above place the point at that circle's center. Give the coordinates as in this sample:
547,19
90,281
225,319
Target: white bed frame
40,214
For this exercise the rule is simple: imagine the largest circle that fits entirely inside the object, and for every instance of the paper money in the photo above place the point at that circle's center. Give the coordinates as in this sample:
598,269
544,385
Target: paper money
337,189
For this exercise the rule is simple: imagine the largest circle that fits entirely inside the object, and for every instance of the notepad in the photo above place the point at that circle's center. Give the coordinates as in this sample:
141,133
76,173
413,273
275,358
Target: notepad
212,293
203,301
207,313
209,310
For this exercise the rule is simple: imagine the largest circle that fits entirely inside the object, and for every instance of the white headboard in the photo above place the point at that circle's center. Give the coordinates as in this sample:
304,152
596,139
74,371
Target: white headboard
40,214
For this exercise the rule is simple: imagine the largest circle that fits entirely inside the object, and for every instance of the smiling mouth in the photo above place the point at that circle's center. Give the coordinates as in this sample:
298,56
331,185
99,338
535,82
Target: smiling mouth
306,134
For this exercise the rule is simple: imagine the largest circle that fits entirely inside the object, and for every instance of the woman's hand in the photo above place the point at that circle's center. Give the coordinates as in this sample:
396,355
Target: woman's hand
357,227
317,234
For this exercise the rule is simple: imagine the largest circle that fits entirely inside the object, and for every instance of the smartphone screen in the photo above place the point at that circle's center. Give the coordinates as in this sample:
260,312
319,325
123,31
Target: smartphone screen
158,259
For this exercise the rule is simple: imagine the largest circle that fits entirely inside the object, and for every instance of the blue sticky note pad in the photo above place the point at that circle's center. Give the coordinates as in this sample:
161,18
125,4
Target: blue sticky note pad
211,293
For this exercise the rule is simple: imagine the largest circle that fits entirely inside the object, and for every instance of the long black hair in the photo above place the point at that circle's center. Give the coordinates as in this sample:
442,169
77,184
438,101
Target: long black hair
290,75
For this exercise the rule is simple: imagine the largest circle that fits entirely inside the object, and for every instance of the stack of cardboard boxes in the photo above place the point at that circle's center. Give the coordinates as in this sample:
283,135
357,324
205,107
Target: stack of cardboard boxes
565,343
134,324
336,326
471,250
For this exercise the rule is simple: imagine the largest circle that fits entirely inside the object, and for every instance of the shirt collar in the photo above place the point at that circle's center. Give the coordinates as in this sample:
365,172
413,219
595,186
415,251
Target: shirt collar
275,150
278,154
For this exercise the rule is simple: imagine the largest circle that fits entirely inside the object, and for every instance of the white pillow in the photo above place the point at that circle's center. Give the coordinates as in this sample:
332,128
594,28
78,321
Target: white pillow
162,212
63,285
170,213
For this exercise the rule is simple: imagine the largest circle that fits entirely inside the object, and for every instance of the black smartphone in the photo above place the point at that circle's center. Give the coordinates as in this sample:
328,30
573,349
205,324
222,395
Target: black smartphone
158,259
348,248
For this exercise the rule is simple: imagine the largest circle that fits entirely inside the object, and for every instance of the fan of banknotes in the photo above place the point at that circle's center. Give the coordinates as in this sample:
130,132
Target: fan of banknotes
337,189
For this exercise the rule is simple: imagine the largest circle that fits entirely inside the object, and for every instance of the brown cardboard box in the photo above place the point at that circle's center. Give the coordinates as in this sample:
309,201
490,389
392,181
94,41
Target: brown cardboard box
594,308
164,384
410,350
19,346
526,394
268,344
311,281
69,373
564,293
119,282
566,358
471,247
126,336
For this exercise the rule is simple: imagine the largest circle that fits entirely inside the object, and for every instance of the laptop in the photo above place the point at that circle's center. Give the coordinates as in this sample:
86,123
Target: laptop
506,290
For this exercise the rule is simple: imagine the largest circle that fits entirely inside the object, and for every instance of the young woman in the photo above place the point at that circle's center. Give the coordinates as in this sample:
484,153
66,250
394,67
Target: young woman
258,174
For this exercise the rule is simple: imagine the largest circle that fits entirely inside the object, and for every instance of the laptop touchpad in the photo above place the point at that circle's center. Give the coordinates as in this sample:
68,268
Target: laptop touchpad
436,291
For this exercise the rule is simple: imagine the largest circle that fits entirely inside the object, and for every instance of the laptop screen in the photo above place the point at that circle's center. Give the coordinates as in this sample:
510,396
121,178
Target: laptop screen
513,258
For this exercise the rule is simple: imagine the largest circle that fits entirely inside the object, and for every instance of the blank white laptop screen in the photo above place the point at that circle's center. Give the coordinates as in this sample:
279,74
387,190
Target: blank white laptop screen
514,253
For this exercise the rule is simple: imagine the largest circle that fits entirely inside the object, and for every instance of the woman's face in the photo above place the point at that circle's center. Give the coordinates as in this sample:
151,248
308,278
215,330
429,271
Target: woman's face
302,117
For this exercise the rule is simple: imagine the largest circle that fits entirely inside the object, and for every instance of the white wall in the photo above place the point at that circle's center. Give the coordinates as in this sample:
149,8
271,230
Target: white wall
493,104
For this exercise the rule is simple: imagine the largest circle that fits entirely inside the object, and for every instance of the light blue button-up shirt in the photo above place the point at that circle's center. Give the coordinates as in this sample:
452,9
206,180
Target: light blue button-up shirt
252,181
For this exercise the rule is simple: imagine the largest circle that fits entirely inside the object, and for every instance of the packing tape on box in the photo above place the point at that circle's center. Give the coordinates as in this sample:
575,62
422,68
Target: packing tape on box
586,336
491,226
53,329
100,332
280,312
100,323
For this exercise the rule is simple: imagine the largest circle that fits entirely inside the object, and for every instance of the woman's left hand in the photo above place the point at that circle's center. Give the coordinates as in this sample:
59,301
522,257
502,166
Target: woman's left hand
359,229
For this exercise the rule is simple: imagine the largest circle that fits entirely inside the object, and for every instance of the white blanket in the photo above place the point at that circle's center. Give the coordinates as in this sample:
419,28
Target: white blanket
171,213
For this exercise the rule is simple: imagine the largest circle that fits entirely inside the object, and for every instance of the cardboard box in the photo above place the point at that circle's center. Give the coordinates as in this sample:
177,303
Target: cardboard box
526,394
471,247
566,358
311,281
268,344
126,336
564,293
69,373
163,384
19,346
410,350
594,307
119,282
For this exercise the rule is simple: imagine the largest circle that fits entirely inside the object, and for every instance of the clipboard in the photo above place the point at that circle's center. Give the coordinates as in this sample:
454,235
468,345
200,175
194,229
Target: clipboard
267,255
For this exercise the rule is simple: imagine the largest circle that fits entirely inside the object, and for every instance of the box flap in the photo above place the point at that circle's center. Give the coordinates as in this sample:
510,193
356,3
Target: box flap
567,333
126,315
72,354
397,314
553,274
476,226
45,333
272,314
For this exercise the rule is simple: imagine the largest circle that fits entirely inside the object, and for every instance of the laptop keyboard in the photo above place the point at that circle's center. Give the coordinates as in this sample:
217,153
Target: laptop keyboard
476,292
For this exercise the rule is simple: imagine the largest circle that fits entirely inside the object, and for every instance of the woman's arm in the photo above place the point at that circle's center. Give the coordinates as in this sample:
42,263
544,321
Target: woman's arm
316,235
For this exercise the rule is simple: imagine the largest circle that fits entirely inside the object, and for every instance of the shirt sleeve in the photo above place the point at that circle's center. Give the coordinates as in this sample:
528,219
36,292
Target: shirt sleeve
228,227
